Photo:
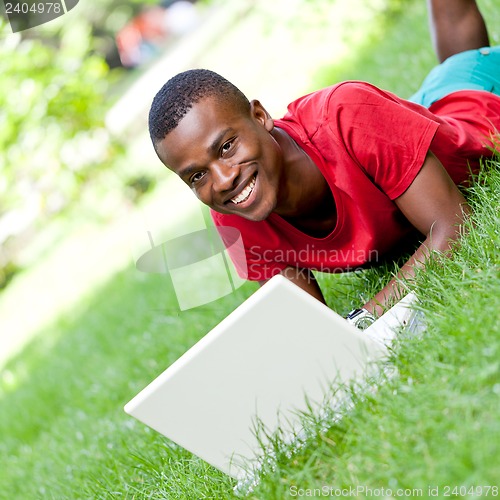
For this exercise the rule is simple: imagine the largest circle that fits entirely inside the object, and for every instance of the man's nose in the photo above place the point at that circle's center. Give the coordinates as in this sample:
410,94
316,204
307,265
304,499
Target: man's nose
224,175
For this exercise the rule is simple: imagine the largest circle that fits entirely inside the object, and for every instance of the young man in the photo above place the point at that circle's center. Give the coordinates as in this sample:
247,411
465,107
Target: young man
350,172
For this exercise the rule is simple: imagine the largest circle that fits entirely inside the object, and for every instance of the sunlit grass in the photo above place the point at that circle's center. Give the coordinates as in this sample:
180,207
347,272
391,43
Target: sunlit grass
64,433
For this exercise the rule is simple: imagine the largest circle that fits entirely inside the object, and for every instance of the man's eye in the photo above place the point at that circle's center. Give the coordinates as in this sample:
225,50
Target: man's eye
196,177
226,146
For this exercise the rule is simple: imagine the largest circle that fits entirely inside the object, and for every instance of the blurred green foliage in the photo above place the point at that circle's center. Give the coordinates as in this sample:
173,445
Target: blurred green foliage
52,106
54,94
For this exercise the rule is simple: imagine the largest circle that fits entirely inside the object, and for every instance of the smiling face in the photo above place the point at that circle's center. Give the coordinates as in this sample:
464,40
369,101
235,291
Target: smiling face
228,156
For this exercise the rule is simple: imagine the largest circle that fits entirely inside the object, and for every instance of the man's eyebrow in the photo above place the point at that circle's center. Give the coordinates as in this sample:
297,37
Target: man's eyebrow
186,172
218,139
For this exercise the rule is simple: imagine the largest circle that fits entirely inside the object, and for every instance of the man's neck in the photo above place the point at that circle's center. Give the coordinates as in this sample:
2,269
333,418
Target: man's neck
302,185
305,200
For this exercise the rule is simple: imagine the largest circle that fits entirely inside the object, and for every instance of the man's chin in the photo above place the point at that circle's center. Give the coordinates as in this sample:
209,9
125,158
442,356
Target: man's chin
256,215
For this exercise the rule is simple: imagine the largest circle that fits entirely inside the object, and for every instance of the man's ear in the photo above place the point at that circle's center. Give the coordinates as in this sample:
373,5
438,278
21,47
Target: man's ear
259,113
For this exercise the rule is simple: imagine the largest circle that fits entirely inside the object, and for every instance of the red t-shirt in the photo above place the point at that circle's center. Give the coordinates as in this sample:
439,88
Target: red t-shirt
370,145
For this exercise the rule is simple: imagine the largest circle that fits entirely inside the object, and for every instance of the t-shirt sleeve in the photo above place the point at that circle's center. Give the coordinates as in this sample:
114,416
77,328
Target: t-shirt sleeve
387,137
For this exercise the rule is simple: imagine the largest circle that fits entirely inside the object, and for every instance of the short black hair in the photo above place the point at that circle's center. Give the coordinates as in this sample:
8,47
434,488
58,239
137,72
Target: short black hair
178,95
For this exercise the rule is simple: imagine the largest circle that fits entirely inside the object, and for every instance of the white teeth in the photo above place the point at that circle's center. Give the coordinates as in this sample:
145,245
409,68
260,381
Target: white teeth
245,193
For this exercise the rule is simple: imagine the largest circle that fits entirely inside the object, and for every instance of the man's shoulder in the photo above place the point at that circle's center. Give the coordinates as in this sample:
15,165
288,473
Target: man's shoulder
312,109
325,110
342,89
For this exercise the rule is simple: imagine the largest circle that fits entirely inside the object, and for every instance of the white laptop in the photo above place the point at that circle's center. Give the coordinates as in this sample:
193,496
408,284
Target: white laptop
278,352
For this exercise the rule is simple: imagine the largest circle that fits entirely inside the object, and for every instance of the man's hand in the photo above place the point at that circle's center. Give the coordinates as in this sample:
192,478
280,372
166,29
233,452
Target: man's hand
435,206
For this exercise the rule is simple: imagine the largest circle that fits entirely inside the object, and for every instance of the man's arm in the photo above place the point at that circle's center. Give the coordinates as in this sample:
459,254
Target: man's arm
435,206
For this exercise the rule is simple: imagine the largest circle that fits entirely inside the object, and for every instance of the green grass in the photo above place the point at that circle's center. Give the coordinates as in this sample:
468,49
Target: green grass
63,433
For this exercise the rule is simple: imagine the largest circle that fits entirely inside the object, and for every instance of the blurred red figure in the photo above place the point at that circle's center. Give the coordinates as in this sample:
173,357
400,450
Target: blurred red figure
142,37
138,38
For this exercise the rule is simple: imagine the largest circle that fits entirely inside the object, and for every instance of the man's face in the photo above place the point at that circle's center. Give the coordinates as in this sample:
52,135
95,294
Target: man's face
230,159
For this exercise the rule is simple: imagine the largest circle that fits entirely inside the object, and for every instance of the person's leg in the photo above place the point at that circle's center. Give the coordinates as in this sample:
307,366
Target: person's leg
456,26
